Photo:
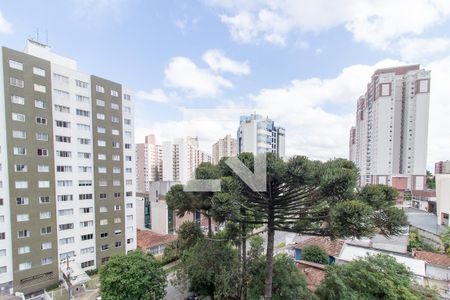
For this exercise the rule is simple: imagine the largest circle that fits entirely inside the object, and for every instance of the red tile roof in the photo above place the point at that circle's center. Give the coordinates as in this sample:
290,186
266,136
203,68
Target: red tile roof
147,239
332,247
424,193
433,258
314,273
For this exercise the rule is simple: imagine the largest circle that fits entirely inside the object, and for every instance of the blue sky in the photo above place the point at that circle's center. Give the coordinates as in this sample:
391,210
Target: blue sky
303,63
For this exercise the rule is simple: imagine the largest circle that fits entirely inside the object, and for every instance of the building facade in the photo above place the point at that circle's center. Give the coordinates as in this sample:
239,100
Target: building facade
148,163
352,144
442,167
67,168
260,135
180,159
226,147
392,128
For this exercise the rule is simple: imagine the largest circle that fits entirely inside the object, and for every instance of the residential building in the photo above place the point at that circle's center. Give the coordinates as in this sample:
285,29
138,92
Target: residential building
152,242
180,159
352,144
226,147
392,128
67,168
148,163
442,167
260,135
443,199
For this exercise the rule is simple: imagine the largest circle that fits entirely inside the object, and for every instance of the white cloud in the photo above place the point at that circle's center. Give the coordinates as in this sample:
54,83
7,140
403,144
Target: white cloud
378,23
155,95
196,82
419,49
5,26
218,62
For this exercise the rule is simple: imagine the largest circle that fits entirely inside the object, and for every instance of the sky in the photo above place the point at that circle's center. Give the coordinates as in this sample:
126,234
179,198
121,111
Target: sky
197,65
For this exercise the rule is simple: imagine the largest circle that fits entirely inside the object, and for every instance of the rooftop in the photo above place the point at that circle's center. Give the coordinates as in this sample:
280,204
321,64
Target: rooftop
423,220
147,239
314,273
433,258
332,247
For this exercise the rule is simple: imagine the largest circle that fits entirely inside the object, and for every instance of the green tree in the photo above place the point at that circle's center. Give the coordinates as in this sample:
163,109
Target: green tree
313,198
431,181
182,202
136,275
374,277
211,268
189,234
289,282
315,254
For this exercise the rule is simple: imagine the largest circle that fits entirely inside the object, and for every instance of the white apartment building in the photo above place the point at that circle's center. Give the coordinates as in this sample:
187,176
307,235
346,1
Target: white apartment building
392,128
180,159
260,135
67,178
226,147
148,163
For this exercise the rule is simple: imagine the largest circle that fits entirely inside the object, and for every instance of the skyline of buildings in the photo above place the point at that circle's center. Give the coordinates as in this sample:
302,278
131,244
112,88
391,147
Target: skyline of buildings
389,142
66,168
260,135
225,147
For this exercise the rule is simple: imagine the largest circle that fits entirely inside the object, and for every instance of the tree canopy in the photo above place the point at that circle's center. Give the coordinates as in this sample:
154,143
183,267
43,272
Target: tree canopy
315,254
374,277
136,275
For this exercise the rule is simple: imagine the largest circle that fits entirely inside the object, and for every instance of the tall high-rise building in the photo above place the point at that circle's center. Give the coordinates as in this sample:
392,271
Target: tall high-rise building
442,167
226,147
260,135
392,128
180,159
66,168
352,144
148,163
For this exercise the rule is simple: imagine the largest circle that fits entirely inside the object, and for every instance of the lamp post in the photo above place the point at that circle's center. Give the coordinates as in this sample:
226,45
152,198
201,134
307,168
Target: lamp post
67,277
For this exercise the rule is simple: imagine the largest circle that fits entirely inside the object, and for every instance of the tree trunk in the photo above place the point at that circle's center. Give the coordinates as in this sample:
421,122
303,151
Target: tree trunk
244,262
209,227
269,255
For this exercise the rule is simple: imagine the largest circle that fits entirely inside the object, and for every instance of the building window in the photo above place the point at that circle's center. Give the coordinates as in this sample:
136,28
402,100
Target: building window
41,136
62,139
105,247
84,155
44,199
101,129
65,241
18,100
41,120
104,222
62,108
64,183
18,117
15,65
82,99
85,183
23,217
16,82
61,78
23,233
38,71
42,152
61,153
62,124
115,106
19,134
103,209
83,113
40,104
87,250
100,116
83,141
86,237
100,102
126,97
46,261
20,168
101,143
21,184
46,246
82,84
24,250
20,151
40,88
43,168
24,266
67,226
86,264
99,88
43,184
65,198
22,201
115,119
114,93
45,215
